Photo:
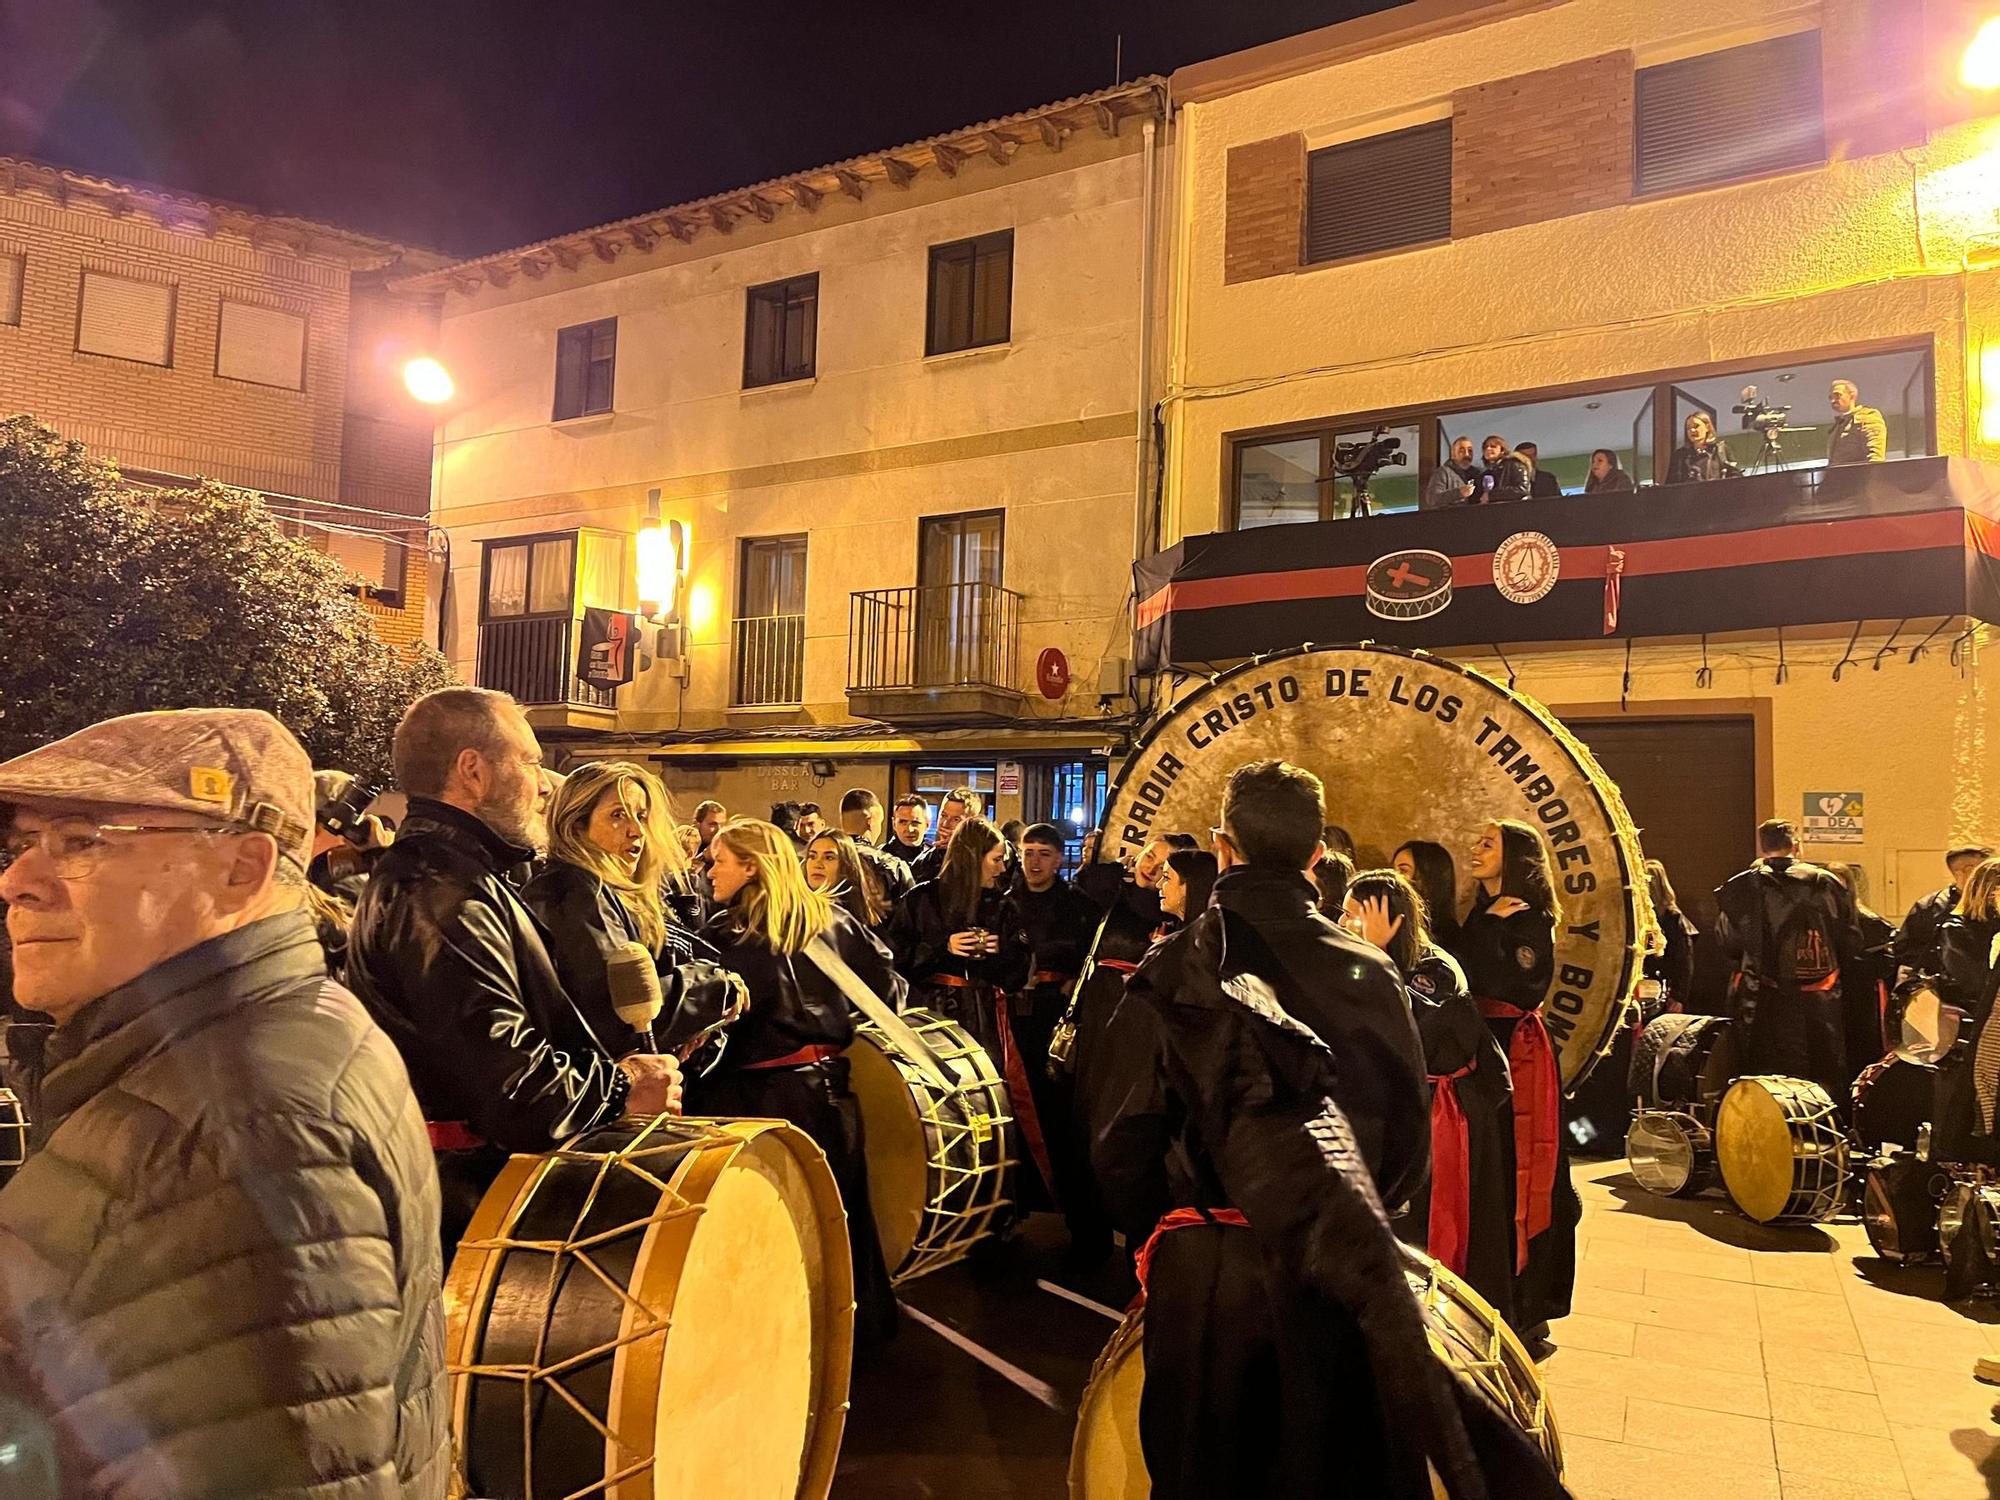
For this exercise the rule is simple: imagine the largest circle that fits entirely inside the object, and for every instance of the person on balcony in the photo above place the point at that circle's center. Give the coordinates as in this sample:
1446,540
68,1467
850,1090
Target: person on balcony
1453,482
1704,456
1542,485
1508,475
1606,477
1858,435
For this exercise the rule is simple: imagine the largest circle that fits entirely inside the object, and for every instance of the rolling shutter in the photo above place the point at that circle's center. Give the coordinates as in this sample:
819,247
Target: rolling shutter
126,319
1726,115
1379,193
263,345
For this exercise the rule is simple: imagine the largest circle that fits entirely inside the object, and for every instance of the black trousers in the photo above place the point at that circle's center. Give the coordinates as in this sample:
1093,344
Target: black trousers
1802,1034
1035,1014
1249,1392
816,1098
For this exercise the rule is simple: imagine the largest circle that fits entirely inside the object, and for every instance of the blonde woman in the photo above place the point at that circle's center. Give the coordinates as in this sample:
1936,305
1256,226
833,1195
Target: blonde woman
1703,456
785,1057
609,842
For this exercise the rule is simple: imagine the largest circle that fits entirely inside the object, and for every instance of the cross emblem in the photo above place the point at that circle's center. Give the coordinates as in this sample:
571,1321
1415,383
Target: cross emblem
1402,573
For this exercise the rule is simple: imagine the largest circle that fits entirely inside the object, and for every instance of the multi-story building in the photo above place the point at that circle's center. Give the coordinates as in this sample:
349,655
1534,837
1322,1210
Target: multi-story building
892,418
183,338
1582,223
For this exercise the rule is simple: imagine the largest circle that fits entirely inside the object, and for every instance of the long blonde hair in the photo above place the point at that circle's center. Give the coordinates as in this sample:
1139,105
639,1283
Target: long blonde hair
1981,898
569,837
775,906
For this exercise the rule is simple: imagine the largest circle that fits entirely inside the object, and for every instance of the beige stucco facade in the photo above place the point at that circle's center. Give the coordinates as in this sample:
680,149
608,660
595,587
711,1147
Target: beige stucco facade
1877,249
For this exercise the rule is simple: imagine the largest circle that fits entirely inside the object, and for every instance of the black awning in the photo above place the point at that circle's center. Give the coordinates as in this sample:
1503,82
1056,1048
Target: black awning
1908,540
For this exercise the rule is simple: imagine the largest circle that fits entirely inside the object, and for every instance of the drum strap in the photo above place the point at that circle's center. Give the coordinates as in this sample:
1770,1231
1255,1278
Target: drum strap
1180,1218
891,1025
1531,1058
1450,1227
1020,1093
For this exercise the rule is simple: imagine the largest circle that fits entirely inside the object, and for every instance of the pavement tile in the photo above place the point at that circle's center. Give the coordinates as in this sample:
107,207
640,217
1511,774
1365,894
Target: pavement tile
1599,1470
1737,1297
1806,1336
1840,1372
1946,1465
1707,1351
1790,1303
1603,1277
1805,1273
1587,1411
1605,1335
1848,1456
1922,1344
1720,1263
1710,1434
1725,1391
1822,1406
1813,1487
1914,1397
1673,1310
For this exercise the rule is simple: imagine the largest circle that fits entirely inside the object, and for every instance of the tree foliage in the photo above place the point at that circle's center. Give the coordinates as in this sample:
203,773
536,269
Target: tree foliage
111,603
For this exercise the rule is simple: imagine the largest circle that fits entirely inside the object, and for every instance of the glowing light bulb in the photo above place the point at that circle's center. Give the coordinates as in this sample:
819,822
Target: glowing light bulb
428,381
1980,68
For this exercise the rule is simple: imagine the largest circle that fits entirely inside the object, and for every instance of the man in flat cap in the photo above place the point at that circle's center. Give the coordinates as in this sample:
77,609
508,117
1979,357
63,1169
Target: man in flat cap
219,1268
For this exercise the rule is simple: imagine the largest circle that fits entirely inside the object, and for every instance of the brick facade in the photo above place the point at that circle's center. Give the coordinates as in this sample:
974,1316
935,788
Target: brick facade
1265,203
1542,145
183,418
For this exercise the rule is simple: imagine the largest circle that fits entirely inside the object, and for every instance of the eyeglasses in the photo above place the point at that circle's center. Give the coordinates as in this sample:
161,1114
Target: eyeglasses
76,846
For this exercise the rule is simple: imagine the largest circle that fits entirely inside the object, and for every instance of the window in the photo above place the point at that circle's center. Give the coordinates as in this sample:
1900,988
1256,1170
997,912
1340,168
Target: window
1379,193
11,276
263,345
771,621
1279,480
126,319
529,576
379,561
586,359
781,331
1724,115
960,614
971,293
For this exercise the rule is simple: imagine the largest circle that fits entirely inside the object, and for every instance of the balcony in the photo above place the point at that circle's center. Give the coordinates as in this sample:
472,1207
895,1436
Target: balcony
1914,539
770,662
535,661
951,651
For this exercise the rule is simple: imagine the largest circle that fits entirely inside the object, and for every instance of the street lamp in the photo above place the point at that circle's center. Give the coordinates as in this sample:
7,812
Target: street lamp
1980,67
428,381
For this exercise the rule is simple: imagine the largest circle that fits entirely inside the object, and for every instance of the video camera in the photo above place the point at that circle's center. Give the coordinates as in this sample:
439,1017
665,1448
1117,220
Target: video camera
1761,415
341,806
1359,461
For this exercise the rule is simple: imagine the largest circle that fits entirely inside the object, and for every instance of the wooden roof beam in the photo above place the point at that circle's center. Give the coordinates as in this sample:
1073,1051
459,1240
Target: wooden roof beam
851,184
947,158
498,274
567,258
1053,132
534,267
1107,117
897,170
806,196
681,229
644,236
765,212
998,147
722,222
605,248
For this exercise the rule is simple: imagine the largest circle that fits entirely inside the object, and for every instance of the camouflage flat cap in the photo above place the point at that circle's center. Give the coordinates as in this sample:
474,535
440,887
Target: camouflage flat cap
238,766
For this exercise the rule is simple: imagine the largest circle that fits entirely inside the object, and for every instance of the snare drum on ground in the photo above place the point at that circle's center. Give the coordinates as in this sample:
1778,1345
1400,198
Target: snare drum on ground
1670,1152
1901,1198
1683,1060
1782,1152
1893,1099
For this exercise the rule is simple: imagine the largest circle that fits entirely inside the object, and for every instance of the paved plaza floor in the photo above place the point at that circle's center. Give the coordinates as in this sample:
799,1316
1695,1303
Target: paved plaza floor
1708,1356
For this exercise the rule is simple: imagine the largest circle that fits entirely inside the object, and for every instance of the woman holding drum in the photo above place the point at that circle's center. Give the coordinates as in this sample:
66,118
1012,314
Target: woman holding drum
1507,949
784,1057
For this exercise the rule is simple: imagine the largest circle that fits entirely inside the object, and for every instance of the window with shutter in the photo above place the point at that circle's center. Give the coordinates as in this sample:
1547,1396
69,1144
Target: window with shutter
126,319
1379,193
11,269
781,331
263,345
1725,115
586,368
971,293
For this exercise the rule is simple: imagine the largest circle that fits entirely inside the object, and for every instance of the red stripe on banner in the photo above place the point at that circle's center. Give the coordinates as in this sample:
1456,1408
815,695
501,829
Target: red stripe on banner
1982,535
1799,542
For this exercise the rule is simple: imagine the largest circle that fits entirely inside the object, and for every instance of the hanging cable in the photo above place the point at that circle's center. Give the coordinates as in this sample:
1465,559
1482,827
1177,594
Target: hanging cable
1704,675
1888,646
1507,664
1846,657
1625,687
1784,672
1917,651
1958,646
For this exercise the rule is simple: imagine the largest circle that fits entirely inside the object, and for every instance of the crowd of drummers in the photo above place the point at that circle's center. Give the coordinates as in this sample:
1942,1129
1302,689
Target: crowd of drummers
245,1022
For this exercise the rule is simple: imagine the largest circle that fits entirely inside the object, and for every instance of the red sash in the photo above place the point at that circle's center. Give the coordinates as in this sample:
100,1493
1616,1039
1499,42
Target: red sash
1020,1093
1531,1058
452,1135
804,1057
1450,1227
1180,1218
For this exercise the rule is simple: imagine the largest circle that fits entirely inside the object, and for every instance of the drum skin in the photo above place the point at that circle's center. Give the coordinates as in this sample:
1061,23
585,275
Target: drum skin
938,1167
1670,1153
1465,1332
1782,1155
1411,746
686,1282
1892,1098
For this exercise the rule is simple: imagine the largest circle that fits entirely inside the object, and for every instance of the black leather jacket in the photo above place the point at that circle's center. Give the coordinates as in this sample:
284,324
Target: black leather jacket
456,970
792,1002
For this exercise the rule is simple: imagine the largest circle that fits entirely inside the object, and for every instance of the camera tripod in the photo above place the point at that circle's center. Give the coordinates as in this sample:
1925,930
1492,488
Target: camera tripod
1771,456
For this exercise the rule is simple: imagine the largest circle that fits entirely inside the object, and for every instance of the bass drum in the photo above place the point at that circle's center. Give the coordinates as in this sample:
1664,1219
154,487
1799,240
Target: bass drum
1893,1099
1411,746
1105,1462
13,1135
1900,1201
1684,1060
1670,1153
1782,1153
938,1166
662,1308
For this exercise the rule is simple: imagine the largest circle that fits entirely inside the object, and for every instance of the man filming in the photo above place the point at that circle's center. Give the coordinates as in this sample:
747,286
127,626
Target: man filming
219,1267
1858,435
451,964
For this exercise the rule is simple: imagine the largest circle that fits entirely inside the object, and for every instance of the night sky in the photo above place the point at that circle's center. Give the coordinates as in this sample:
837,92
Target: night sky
474,125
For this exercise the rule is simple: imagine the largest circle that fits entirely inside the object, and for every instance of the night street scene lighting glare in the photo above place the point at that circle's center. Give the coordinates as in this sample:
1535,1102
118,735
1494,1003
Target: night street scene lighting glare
1980,68
428,381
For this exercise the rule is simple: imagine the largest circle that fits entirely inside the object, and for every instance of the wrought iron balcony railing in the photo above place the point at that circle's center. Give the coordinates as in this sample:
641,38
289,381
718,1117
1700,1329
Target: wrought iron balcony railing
535,661
954,635
770,661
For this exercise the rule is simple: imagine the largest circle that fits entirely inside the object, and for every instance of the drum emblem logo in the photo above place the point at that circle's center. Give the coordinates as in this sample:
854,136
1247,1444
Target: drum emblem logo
1408,585
1525,957
1525,567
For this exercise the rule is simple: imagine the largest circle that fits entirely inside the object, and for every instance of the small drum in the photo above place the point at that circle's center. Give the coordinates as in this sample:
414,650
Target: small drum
1781,1150
1893,1099
13,1135
1968,1230
1901,1197
1930,1026
1105,1461
937,1160
1670,1153
661,1308
1683,1060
